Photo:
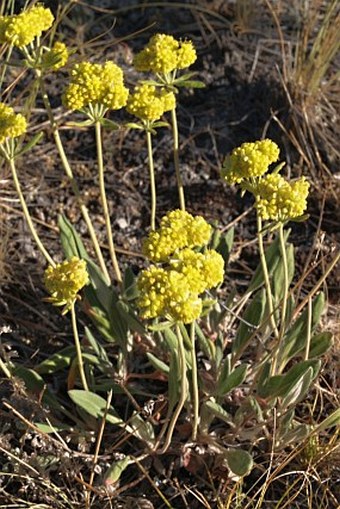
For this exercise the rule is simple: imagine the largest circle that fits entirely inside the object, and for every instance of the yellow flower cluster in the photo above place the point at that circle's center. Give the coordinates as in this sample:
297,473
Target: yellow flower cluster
149,102
164,54
12,124
279,200
178,229
96,84
56,57
21,29
250,160
65,281
172,291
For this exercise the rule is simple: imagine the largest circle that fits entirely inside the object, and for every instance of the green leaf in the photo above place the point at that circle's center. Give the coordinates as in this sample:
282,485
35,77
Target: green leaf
142,429
329,422
109,124
253,315
239,461
130,291
218,411
129,317
320,344
173,380
113,473
80,123
157,363
171,339
70,240
57,361
207,345
190,84
46,428
33,141
134,125
94,405
224,244
37,385
161,327
97,347
233,380
160,124
299,389
282,385
278,278
185,77
296,337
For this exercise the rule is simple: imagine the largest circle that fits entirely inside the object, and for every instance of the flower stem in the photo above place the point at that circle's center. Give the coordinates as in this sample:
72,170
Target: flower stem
176,158
194,381
152,181
266,277
78,348
27,213
284,298
104,201
71,178
183,392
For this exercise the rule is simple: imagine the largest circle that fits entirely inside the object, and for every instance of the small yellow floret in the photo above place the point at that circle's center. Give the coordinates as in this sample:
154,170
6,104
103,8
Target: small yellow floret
250,160
56,57
65,281
149,102
279,200
202,270
164,54
178,229
96,84
12,124
21,29
186,55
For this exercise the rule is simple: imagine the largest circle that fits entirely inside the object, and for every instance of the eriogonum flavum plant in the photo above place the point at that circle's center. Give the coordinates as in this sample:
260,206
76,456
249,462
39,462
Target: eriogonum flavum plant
250,160
164,54
64,282
173,290
279,200
275,198
96,84
12,124
20,30
56,57
148,102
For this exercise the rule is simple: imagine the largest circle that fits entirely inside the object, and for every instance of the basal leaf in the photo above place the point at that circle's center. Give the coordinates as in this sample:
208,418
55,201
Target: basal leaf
239,461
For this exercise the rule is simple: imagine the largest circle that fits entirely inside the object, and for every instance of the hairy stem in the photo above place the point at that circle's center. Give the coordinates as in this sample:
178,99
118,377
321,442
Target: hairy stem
78,348
152,181
266,277
176,158
27,213
183,392
104,202
194,381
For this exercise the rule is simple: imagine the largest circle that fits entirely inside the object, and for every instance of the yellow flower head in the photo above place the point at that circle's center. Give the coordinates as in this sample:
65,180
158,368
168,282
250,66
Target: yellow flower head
165,293
203,271
149,102
56,57
96,84
64,281
173,290
178,229
21,29
249,160
12,124
164,54
279,200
